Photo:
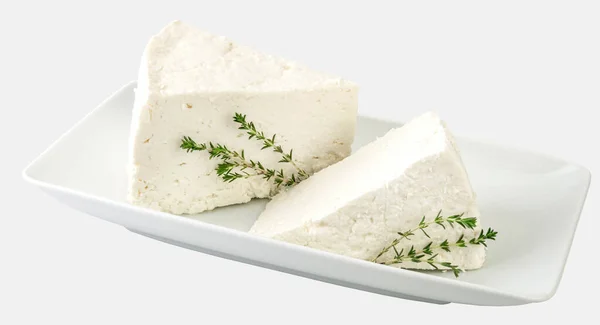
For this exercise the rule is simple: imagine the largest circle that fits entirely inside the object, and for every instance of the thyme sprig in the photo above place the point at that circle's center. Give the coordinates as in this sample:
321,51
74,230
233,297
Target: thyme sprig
253,133
421,257
428,255
233,159
234,164
467,223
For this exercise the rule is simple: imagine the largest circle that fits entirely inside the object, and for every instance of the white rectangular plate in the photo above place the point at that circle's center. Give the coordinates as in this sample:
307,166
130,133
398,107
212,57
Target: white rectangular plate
533,201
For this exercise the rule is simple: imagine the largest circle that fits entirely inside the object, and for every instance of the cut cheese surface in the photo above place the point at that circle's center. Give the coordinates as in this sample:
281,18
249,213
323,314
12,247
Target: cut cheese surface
357,206
191,83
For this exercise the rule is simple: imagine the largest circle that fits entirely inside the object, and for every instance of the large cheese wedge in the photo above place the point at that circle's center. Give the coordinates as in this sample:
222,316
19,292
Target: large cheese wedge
357,206
191,83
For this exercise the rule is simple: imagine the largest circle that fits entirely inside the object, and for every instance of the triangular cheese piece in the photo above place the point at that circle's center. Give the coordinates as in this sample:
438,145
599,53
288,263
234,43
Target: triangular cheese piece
191,83
357,206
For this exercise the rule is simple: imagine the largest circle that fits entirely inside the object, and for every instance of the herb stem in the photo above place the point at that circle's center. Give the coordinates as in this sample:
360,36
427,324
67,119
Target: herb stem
428,255
419,258
232,159
469,223
252,132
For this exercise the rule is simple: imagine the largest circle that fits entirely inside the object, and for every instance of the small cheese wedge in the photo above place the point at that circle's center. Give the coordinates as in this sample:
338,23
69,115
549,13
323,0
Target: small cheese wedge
357,206
191,83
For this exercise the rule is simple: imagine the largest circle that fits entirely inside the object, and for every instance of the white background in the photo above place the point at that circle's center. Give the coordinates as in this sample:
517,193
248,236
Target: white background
521,73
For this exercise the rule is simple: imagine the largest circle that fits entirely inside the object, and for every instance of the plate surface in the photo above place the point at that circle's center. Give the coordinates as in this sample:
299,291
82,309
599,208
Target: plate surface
534,201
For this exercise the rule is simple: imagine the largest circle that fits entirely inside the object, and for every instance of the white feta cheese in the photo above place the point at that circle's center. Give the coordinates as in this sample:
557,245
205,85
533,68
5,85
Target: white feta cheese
357,206
191,83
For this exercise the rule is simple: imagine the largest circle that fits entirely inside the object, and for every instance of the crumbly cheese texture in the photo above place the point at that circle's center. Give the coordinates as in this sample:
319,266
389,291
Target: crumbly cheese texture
357,206
191,83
